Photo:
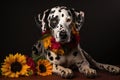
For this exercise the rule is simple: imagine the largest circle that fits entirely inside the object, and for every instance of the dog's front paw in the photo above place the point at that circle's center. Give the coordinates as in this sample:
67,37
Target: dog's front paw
89,72
67,73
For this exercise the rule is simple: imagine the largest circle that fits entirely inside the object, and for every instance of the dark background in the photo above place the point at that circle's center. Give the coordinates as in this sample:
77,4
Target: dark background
100,34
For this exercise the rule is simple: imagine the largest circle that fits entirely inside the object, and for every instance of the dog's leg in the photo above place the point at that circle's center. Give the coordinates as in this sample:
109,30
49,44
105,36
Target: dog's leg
86,70
64,72
107,67
84,66
111,68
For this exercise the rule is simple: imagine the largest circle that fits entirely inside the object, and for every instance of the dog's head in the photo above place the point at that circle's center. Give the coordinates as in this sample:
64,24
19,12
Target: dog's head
59,22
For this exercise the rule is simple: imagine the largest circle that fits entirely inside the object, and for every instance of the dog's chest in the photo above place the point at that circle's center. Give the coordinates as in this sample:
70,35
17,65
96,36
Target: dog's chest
66,59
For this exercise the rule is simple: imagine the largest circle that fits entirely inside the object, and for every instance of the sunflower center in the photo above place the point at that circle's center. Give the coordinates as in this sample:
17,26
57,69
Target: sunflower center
16,67
42,68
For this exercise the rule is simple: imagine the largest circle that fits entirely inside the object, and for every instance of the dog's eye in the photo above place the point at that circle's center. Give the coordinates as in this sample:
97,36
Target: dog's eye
54,22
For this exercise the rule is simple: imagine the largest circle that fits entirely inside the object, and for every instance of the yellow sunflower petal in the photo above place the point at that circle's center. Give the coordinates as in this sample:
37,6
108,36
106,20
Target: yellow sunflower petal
4,69
47,65
12,75
16,75
6,59
49,72
43,74
6,66
9,59
22,59
19,57
7,73
24,69
16,56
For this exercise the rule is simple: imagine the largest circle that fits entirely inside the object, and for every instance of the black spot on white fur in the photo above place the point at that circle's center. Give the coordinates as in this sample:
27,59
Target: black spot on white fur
69,13
57,57
52,16
51,58
56,66
49,54
62,15
108,67
49,18
75,53
59,10
35,50
52,11
79,18
39,45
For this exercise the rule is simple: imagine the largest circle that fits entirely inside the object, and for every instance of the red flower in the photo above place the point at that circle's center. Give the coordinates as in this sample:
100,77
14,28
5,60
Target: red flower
46,32
54,44
77,37
30,62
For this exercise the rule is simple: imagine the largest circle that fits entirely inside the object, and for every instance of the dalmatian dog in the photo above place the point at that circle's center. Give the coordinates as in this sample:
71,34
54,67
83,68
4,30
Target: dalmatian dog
58,21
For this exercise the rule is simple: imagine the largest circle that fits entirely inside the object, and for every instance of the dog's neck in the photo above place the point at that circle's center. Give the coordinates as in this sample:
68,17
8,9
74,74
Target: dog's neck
50,43
72,44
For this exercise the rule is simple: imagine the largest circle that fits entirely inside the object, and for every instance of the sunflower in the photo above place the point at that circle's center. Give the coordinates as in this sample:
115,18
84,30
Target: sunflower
47,42
15,65
44,67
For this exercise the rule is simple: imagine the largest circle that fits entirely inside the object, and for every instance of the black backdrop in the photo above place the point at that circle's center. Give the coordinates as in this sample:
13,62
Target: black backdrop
99,34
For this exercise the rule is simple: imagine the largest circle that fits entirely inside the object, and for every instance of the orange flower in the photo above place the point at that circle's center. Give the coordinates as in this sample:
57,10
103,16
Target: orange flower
74,31
58,51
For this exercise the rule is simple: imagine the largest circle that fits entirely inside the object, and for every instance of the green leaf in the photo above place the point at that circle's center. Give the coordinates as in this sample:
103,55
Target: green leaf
44,36
37,57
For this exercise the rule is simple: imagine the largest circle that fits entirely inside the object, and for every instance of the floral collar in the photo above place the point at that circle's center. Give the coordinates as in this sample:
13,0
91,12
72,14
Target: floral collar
58,48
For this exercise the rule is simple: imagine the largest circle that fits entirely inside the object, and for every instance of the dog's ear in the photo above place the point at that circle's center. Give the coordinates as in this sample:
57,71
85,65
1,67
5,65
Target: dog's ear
78,18
41,20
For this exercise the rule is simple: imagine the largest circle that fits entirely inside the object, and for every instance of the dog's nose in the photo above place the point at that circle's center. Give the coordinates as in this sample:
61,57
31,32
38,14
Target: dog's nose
63,34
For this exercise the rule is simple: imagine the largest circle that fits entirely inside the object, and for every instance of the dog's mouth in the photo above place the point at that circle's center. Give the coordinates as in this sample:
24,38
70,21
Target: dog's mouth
63,40
63,37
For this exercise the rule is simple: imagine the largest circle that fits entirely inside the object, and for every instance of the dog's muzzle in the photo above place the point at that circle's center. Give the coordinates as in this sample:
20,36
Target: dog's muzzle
63,36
